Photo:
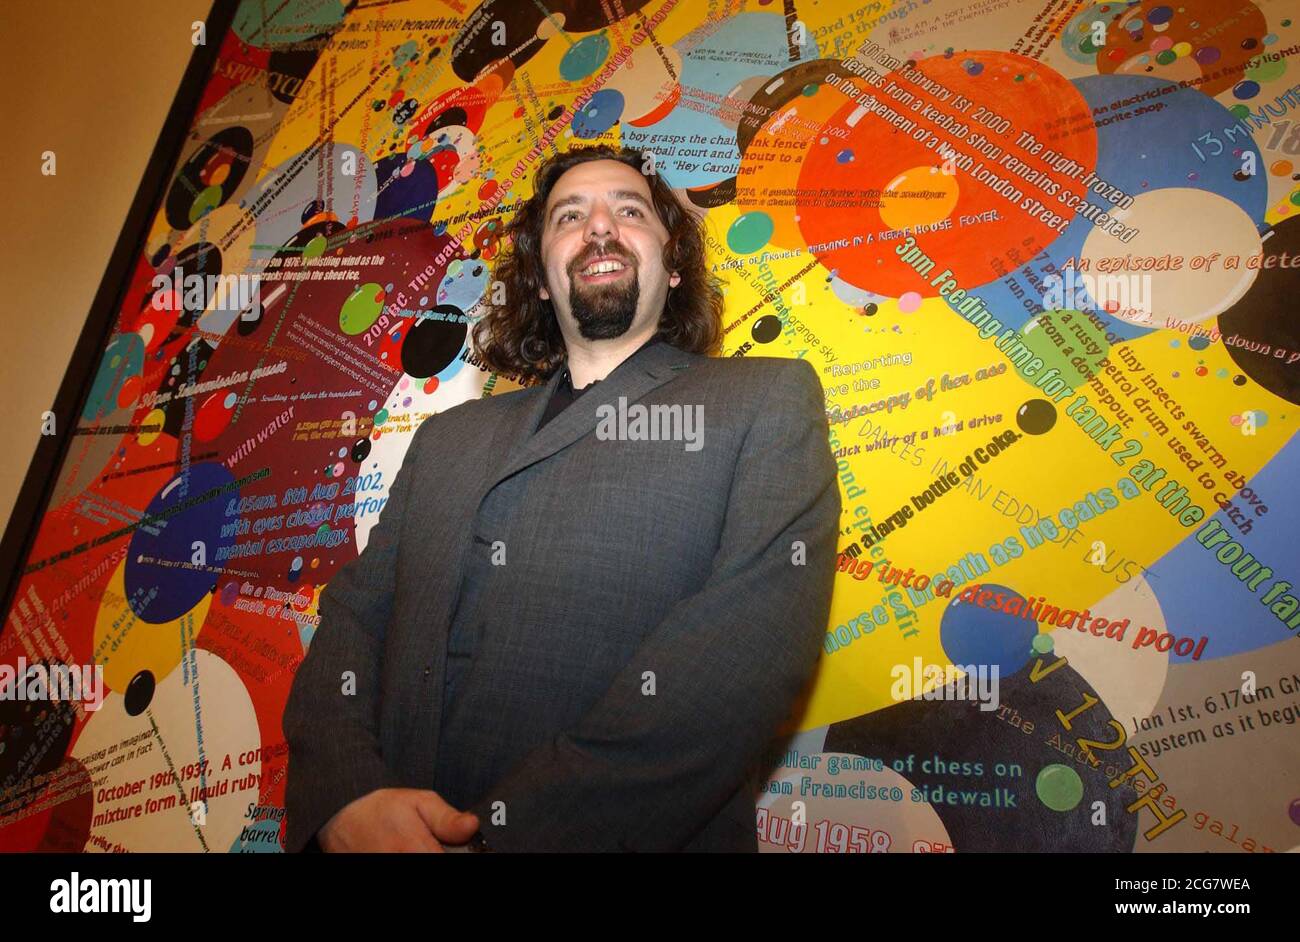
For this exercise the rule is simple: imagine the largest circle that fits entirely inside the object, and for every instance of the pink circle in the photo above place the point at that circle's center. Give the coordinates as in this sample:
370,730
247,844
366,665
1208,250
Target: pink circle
909,302
338,470
1161,44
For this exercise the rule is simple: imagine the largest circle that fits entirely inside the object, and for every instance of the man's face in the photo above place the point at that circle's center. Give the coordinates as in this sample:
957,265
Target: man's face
602,249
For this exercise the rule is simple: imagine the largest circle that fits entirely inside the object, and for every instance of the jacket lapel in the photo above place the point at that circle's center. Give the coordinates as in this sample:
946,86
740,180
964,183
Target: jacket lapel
647,369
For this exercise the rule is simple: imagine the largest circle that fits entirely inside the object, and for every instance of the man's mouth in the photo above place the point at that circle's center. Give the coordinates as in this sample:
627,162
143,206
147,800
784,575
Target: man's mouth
605,269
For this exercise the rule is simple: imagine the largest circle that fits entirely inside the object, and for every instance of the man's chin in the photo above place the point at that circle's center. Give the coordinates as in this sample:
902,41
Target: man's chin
598,329
601,313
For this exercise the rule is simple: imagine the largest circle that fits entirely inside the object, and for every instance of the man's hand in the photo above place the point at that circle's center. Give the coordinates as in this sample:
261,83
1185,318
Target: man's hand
397,820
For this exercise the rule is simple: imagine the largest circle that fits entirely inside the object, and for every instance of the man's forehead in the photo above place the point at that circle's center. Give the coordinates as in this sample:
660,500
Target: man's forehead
605,176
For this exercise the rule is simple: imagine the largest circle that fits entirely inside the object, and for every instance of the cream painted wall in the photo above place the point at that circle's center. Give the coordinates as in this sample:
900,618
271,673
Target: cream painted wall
91,80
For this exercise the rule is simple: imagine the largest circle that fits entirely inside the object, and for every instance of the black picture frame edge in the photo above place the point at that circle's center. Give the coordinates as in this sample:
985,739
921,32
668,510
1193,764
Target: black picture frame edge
38,485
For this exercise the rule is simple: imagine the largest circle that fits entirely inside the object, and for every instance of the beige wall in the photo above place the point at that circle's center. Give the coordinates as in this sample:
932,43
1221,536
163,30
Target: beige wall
91,80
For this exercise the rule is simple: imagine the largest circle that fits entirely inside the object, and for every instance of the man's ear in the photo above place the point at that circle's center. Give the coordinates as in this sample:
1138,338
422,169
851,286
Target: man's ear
543,294
674,280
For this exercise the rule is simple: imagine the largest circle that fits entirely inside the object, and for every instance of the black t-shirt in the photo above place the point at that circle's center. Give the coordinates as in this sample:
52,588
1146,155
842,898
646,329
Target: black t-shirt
565,395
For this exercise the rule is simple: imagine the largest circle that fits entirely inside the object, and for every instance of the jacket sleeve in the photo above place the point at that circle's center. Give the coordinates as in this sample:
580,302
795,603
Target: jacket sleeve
334,748
646,772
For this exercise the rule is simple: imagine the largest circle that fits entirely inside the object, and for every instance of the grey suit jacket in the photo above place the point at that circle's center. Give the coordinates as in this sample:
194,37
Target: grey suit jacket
658,616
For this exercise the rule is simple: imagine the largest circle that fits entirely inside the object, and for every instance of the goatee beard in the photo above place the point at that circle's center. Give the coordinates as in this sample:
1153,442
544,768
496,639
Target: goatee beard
605,311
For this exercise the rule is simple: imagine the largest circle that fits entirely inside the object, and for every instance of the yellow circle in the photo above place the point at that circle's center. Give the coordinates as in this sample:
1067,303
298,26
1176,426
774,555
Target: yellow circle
156,418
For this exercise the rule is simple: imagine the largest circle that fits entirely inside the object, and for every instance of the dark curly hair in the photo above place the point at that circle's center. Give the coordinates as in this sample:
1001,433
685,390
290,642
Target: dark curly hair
521,337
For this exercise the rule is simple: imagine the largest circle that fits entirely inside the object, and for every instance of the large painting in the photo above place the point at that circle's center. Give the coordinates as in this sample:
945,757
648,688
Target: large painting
1039,251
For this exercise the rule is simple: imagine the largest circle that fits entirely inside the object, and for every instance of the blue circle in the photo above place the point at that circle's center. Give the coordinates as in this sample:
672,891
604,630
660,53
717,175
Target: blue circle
974,634
584,57
178,517
599,114
260,837
123,359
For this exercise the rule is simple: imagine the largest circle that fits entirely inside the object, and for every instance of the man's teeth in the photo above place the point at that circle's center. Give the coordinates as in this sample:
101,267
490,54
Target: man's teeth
601,268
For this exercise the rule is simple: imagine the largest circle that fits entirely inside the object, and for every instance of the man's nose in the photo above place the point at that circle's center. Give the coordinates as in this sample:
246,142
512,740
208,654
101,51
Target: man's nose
600,224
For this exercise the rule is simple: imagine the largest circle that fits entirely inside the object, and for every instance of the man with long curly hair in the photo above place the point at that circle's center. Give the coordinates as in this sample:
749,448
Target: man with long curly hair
589,605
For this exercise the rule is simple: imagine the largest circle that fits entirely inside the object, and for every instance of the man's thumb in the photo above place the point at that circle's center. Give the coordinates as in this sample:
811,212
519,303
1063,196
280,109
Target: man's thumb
444,821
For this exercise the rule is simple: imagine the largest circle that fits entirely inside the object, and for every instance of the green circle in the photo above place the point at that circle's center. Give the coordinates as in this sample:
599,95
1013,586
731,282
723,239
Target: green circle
315,248
1267,71
1295,197
750,232
1043,644
1059,787
1241,112
361,309
1067,340
810,89
205,202
1166,57
381,416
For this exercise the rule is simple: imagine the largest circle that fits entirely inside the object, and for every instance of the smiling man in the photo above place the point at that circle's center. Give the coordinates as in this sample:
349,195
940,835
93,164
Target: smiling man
561,638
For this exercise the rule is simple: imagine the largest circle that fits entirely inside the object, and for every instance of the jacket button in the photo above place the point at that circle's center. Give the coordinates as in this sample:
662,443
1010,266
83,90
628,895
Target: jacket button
427,671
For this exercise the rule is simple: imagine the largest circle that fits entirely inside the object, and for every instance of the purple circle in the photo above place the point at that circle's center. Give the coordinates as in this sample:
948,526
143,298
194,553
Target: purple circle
1207,55
1294,810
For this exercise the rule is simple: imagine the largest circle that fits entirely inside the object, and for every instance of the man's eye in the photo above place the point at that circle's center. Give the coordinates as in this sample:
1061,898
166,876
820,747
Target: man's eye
564,217
633,209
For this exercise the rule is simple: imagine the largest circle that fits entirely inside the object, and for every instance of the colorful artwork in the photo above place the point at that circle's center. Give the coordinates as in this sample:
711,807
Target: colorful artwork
1038,251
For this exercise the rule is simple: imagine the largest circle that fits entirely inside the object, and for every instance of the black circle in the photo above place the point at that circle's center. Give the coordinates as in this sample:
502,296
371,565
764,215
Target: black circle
1036,417
431,344
766,329
1261,320
139,693
315,207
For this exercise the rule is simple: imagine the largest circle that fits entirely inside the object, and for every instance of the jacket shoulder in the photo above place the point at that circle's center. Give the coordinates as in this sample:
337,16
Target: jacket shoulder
786,371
